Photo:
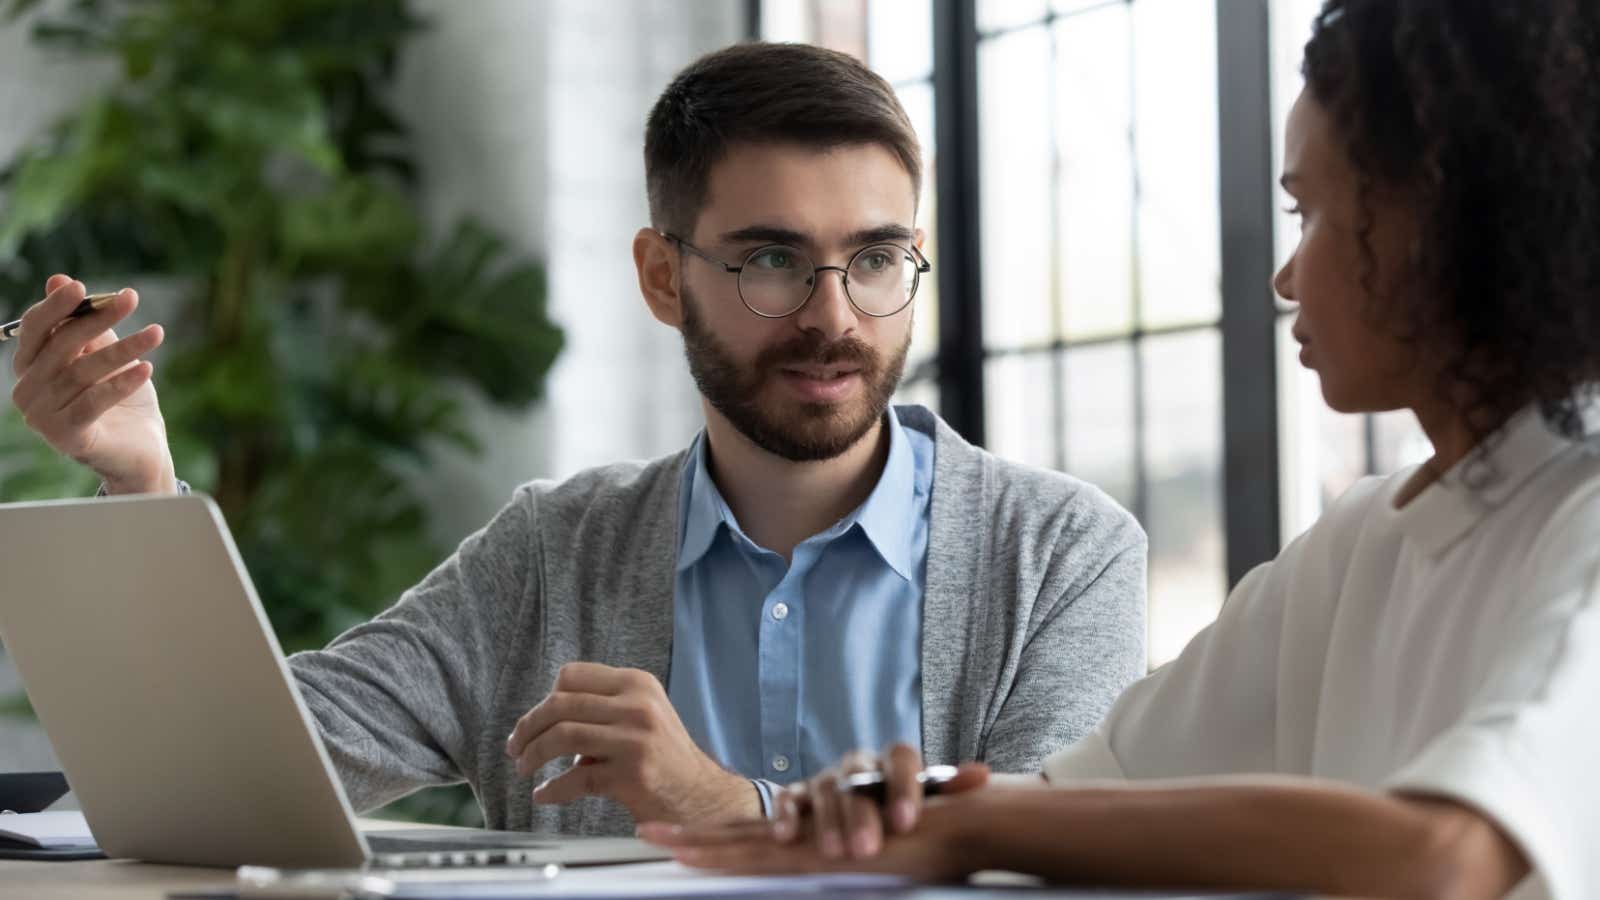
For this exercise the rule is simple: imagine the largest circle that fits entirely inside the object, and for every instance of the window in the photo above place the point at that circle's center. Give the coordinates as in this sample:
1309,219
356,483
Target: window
1101,270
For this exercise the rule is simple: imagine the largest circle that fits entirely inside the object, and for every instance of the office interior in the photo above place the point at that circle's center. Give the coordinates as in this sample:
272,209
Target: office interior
1103,222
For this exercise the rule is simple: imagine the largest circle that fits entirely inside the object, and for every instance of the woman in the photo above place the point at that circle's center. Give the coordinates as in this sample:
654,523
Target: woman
1398,704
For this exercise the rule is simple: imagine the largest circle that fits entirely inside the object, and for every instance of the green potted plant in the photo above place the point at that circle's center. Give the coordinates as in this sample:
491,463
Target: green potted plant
320,344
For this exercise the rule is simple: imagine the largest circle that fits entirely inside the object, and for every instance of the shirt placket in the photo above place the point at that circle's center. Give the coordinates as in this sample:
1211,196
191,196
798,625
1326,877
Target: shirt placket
782,614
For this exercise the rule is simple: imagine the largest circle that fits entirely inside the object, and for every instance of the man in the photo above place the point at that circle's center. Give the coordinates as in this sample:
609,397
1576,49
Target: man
816,572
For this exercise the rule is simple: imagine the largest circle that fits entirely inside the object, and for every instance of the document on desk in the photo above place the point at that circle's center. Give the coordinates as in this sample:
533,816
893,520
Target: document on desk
656,879
64,830
670,879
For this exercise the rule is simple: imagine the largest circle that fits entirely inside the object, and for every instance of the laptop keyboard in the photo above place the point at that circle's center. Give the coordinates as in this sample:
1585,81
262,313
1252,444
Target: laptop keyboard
427,848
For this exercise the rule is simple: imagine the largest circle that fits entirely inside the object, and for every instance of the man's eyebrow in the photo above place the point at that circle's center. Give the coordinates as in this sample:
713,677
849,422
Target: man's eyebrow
770,234
881,234
775,234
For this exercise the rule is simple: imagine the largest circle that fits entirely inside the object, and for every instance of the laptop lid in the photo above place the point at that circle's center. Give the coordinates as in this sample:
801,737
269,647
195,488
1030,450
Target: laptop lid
151,665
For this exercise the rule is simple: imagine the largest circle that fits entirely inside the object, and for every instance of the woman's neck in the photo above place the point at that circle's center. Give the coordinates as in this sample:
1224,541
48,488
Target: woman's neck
1452,440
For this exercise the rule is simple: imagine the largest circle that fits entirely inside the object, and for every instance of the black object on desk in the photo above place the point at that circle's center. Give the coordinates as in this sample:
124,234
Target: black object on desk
26,792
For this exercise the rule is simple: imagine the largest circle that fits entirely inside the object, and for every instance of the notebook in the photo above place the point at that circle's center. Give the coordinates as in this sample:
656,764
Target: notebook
46,835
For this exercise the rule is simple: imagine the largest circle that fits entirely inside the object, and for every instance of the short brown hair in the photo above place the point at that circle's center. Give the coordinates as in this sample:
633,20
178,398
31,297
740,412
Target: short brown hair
763,93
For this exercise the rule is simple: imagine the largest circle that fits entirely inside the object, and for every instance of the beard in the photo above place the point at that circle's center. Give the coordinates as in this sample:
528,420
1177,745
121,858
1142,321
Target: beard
796,431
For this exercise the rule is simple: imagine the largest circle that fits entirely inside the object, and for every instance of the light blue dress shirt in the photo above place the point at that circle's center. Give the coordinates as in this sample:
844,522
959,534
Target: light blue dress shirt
779,669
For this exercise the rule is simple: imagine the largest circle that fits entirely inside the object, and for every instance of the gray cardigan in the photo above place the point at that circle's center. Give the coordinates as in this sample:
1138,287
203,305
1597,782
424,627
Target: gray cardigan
1032,623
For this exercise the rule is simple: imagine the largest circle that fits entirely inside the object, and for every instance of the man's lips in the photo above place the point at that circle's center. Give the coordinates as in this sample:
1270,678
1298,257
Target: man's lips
821,373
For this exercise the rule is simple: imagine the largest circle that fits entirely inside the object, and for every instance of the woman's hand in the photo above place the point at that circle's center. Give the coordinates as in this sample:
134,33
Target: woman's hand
938,849
845,824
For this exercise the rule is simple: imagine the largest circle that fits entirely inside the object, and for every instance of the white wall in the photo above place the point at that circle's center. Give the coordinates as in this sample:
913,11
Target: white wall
530,117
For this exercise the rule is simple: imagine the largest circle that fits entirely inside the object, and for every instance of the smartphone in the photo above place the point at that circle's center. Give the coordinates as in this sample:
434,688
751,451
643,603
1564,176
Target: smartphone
872,784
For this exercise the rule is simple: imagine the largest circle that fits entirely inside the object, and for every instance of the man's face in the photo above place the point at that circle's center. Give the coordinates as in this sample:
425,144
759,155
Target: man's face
808,386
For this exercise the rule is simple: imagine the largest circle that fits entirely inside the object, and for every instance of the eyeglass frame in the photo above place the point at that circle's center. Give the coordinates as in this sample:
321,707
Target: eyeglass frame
915,254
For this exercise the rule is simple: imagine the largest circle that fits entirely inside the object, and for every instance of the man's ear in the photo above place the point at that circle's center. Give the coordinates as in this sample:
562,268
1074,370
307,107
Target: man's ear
656,260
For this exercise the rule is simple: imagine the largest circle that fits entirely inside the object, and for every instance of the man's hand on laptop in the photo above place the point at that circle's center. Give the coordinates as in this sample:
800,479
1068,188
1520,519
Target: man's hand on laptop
632,748
88,394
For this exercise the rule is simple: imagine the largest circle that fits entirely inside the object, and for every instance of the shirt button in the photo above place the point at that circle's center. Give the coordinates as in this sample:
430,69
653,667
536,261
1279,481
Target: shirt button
780,611
780,763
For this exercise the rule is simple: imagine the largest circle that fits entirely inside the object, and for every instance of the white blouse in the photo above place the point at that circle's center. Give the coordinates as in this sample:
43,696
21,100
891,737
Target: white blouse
1450,647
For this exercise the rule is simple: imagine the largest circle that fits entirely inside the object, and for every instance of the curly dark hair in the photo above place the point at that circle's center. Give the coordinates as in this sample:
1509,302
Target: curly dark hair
1486,116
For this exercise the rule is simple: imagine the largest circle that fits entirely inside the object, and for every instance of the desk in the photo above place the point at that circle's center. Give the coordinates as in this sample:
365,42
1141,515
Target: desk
120,879
125,880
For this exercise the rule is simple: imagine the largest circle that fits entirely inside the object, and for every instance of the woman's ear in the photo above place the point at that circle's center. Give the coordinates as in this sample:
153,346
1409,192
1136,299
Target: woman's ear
656,260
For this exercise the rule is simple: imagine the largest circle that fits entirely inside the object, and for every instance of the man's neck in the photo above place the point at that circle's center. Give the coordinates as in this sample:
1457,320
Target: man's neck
780,503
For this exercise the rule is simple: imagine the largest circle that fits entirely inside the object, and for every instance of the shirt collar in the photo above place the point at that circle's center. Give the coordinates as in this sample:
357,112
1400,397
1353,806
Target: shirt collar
704,511
885,518
887,514
1449,508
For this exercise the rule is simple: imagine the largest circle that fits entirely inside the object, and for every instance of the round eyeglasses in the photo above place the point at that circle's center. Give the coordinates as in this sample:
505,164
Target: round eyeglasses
776,280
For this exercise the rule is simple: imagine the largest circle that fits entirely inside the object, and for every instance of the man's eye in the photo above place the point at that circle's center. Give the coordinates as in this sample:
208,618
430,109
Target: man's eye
775,259
877,261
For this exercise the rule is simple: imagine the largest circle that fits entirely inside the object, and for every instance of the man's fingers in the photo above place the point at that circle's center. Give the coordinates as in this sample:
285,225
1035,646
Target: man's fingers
827,816
93,403
793,803
43,316
95,367
863,825
903,799
595,678
72,338
574,784
568,739
562,706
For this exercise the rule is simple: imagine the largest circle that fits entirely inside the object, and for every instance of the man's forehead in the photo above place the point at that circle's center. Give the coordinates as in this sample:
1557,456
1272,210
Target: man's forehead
818,195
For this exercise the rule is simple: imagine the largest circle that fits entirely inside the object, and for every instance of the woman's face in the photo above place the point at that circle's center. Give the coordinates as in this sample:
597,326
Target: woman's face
1342,295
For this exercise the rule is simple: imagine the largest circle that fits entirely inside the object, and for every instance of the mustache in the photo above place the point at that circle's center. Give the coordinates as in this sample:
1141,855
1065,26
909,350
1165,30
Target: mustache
813,349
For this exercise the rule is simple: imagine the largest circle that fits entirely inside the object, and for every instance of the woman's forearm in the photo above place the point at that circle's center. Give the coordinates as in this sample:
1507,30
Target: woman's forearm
1290,835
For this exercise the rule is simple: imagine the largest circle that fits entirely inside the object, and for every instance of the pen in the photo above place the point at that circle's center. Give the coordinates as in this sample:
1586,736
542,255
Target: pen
871,784
89,305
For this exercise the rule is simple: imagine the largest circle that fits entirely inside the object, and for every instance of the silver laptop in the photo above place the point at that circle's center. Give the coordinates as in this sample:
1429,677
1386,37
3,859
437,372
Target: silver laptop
147,657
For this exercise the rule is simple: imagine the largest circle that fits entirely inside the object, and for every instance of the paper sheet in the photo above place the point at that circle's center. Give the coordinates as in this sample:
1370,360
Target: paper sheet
657,879
64,829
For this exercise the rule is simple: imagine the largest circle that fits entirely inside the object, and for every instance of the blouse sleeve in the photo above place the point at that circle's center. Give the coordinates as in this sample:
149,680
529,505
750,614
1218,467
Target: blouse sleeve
1527,751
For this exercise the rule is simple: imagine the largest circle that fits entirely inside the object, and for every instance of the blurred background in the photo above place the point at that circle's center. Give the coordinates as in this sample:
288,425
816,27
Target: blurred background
390,241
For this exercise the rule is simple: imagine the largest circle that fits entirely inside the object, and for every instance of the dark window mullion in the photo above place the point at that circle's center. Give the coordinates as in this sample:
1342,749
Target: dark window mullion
1249,316
1058,362
1141,474
955,101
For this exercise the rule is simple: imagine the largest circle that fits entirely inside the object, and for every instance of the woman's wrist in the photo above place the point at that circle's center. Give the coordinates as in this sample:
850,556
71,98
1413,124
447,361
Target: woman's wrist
966,825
